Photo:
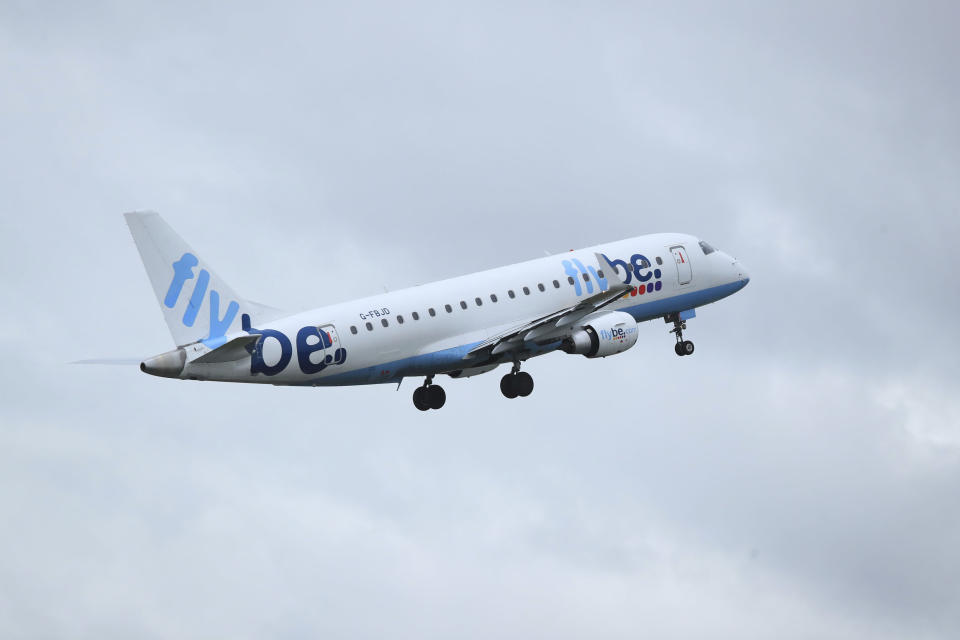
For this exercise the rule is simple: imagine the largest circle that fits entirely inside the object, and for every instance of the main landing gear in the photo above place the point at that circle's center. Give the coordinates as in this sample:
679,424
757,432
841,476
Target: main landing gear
683,347
516,383
429,396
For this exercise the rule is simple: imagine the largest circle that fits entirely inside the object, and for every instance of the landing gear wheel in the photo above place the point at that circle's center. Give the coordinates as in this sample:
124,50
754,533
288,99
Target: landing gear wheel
420,398
683,347
508,386
436,396
523,383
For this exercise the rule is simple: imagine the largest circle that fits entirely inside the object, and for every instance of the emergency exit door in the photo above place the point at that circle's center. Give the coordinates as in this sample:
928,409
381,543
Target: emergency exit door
335,354
684,273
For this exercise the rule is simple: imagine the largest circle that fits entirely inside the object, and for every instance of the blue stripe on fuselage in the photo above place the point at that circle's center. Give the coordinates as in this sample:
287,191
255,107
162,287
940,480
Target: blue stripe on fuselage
420,365
658,308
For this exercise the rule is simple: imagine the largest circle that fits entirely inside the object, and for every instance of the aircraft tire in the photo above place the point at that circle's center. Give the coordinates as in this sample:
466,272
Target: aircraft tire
687,347
435,396
678,348
523,383
508,386
420,398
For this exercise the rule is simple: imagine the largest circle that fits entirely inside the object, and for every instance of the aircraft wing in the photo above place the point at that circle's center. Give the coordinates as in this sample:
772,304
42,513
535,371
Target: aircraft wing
554,325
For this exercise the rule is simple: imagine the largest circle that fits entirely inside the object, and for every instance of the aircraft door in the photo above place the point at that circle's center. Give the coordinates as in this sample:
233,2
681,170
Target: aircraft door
684,273
335,353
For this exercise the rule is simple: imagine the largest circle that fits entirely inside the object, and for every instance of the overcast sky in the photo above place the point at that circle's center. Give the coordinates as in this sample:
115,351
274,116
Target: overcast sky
799,476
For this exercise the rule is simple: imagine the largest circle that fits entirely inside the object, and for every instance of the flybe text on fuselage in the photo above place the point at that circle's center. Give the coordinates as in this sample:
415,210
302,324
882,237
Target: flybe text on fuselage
310,340
637,268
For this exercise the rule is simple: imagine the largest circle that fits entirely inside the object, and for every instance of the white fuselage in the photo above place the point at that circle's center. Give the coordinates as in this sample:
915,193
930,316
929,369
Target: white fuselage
386,337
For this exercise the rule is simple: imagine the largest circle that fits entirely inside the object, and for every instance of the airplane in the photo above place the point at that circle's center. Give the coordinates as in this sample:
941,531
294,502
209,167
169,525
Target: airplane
587,302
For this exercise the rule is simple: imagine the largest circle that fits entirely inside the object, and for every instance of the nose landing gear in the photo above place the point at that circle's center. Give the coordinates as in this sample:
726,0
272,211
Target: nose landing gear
683,347
429,396
516,383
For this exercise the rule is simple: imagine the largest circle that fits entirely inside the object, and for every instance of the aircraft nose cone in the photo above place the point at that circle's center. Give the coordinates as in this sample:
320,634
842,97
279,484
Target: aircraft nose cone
742,274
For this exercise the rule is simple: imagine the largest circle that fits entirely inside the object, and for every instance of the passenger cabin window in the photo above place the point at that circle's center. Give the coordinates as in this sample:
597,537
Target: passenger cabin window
526,291
570,279
479,302
586,277
463,304
353,329
399,319
415,315
432,311
384,322
707,249
600,273
541,287
556,285
448,308
493,297
511,293
369,327
659,260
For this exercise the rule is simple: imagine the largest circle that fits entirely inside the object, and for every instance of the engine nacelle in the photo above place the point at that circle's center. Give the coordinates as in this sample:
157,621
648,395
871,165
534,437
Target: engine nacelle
604,335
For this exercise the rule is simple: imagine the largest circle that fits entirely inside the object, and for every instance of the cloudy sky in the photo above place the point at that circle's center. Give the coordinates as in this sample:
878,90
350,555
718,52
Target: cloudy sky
798,477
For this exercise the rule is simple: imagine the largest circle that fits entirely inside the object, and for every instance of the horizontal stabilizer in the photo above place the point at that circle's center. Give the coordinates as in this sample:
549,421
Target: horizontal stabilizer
233,350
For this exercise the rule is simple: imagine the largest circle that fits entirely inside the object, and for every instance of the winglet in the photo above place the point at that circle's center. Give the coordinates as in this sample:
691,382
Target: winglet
607,267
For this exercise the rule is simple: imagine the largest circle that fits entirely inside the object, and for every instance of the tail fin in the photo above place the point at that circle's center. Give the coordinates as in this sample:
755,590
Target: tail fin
209,309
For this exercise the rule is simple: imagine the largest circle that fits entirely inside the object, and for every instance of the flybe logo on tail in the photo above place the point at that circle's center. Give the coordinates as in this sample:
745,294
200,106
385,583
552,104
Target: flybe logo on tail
183,271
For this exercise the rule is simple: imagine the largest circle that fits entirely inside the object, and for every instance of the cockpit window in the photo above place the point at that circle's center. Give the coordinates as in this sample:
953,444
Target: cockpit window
707,249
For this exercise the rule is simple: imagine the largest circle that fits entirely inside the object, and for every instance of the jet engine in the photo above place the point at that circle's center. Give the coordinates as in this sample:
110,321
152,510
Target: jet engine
603,335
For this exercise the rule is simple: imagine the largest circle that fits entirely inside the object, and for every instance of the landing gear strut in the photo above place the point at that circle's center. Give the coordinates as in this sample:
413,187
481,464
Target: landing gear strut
683,347
516,383
429,396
